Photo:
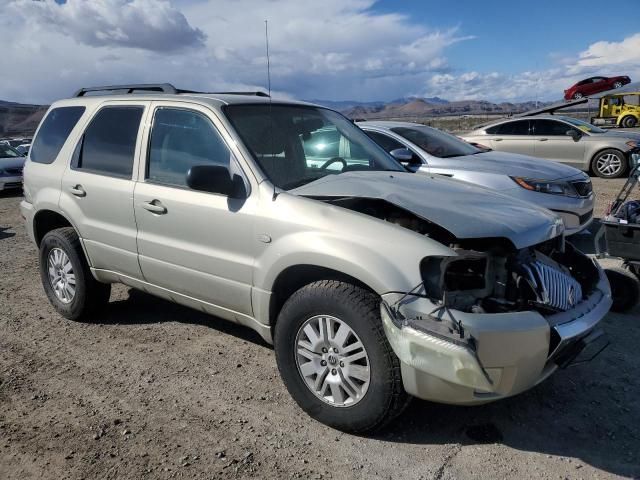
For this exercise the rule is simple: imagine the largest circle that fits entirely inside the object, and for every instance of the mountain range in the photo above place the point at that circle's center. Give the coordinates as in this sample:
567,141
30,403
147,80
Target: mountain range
21,120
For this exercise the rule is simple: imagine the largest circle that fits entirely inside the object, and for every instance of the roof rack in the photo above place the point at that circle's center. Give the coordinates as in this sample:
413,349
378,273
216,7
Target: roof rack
149,87
165,88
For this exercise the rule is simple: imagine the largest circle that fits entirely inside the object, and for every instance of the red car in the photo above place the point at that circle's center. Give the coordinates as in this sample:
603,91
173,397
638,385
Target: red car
592,85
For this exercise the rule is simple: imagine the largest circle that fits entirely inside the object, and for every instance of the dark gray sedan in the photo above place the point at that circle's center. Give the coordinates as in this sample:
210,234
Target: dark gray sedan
11,165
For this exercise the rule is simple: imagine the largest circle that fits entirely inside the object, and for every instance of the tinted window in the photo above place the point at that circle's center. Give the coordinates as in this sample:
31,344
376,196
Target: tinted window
550,127
385,141
54,131
181,139
109,143
435,142
519,127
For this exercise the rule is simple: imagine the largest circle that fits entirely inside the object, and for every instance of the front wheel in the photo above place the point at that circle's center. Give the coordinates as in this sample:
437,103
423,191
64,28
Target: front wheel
66,276
334,357
609,163
577,96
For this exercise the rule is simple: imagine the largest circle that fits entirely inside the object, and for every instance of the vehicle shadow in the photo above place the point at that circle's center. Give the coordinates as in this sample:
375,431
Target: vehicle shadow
141,308
5,233
12,193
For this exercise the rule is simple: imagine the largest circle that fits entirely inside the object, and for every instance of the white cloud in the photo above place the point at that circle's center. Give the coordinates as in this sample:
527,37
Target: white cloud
147,24
329,49
600,58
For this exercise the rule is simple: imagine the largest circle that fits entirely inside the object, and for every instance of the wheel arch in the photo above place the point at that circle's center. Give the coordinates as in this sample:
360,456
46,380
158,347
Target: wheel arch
294,277
46,220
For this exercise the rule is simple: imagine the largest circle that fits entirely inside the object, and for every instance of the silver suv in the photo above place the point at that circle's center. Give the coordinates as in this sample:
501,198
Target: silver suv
374,284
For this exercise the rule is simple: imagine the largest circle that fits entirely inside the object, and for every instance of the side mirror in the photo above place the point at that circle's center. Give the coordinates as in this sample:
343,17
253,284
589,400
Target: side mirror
575,134
216,179
403,155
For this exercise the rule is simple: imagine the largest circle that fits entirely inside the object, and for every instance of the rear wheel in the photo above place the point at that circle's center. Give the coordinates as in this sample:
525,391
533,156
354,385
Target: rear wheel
609,163
66,276
617,85
334,357
625,288
629,121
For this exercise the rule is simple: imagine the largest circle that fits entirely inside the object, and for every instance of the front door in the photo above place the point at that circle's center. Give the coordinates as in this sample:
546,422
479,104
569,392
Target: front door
552,142
197,244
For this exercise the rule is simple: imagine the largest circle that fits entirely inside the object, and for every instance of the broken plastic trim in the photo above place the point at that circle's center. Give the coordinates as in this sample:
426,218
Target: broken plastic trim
433,351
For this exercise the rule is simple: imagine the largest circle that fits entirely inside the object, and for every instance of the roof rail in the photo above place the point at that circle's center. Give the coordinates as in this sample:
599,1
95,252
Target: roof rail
150,87
157,88
255,94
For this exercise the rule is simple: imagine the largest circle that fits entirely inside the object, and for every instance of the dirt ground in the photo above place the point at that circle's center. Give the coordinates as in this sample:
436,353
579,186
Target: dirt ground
154,390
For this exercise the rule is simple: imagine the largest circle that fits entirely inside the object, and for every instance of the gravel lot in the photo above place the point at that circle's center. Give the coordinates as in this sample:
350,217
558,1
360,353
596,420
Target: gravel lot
155,390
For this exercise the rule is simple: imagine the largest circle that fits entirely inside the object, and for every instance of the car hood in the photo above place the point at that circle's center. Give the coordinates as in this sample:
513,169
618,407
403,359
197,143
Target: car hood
11,162
511,164
465,210
628,135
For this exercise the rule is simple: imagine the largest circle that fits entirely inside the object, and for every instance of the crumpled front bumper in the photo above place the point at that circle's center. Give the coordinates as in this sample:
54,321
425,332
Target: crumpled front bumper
508,353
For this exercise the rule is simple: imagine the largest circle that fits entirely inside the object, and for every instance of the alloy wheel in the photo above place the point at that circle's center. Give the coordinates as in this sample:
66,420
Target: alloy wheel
61,275
332,360
609,164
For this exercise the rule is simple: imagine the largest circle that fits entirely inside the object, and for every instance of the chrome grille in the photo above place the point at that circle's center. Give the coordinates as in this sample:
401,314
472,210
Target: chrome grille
583,187
554,288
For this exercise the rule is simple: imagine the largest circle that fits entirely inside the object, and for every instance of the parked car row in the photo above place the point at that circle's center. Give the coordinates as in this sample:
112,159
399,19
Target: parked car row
11,164
374,283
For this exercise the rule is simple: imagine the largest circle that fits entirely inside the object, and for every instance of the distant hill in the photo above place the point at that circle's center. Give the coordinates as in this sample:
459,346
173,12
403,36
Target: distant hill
425,107
19,119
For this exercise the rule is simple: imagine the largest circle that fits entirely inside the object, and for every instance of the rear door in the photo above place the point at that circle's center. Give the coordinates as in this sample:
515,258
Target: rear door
552,142
195,243
97,188
513,136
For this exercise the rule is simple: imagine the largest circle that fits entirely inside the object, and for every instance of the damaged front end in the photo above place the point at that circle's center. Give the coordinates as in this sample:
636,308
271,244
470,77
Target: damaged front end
493,320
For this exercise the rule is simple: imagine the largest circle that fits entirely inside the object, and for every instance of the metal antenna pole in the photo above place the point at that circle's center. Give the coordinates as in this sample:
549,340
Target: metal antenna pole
266,38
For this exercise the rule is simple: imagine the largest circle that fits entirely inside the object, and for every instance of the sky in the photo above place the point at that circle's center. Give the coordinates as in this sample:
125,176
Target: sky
358,50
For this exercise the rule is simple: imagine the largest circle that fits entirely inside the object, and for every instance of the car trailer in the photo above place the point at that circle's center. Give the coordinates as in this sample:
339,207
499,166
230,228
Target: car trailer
622,240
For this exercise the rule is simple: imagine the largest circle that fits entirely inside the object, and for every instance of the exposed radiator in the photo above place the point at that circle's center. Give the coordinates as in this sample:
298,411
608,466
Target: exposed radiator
554,288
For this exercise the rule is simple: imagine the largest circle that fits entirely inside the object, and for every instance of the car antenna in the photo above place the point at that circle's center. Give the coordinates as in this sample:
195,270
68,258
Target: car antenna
266,42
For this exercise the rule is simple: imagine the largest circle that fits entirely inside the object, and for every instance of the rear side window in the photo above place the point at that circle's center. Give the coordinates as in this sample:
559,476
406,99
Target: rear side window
384,141
109,142
519,127
181,139
54,131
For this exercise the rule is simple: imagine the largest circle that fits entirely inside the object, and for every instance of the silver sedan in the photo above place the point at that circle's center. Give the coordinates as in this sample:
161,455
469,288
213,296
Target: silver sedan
563,139
563,189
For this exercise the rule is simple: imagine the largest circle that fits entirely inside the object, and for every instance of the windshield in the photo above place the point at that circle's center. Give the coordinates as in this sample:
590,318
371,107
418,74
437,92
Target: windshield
295,145
7,151
584,126
435,142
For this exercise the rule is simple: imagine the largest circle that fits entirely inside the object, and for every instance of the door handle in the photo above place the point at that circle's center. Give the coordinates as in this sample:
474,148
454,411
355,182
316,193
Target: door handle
543,139
155,207
497,139
78,191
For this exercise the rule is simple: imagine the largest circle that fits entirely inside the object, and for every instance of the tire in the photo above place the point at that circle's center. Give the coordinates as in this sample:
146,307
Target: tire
383,397
629,121
577,96
89,295
625,288
617,85
609,163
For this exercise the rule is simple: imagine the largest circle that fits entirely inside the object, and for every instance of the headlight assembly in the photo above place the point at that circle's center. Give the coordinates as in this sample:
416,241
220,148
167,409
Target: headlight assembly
542,186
